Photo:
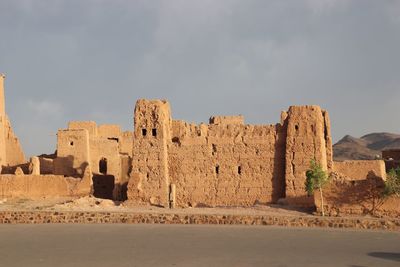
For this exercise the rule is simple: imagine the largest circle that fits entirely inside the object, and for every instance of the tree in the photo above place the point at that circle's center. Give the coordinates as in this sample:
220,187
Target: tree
316,179
392,183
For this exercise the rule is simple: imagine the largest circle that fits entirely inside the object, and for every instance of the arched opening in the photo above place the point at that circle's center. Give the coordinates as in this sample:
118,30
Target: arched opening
103,166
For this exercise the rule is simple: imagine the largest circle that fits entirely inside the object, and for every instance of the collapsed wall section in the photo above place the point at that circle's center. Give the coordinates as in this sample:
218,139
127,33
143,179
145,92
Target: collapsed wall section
14,153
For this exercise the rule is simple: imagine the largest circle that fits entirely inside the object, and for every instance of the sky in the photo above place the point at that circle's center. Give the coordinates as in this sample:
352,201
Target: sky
92,59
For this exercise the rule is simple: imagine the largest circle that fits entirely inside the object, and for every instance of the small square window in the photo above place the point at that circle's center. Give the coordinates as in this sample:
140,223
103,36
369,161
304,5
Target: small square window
144,132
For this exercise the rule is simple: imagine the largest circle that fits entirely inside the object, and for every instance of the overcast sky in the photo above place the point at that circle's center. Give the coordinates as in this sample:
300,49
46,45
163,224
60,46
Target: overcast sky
92,59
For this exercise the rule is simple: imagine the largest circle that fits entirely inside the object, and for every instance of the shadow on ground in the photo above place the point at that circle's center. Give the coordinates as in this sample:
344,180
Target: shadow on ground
386,256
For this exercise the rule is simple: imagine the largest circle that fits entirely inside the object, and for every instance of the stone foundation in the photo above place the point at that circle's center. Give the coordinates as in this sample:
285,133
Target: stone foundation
72,217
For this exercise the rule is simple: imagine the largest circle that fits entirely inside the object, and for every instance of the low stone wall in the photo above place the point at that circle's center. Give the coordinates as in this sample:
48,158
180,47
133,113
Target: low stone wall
33,217
360,169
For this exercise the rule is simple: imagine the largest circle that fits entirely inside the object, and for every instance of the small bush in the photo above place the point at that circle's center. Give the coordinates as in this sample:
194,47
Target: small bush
316,177
392,183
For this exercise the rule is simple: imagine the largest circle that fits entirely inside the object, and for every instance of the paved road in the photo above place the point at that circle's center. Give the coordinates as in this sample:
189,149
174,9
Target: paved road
162,245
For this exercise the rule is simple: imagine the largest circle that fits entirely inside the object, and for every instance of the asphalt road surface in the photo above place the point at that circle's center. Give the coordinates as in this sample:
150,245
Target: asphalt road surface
178,245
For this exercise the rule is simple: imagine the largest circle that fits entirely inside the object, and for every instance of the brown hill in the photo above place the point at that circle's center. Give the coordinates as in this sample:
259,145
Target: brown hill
367,147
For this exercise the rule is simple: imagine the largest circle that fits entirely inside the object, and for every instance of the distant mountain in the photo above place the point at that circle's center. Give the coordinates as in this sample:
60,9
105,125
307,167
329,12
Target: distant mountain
366,147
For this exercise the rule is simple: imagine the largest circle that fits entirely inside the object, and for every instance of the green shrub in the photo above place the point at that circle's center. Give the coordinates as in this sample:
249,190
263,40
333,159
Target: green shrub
392,183
316,179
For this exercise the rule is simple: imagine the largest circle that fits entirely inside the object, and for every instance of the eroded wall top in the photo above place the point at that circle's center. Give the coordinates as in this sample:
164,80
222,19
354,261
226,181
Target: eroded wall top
11,152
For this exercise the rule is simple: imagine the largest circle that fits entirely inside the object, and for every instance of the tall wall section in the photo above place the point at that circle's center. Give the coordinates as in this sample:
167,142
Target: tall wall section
3,159
11,153
308,138
152,135
14,153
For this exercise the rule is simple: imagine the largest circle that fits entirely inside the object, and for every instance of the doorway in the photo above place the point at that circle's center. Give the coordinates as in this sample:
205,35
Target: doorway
103,186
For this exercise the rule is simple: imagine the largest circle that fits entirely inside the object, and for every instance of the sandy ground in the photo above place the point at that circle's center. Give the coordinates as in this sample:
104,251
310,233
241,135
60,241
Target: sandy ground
104,205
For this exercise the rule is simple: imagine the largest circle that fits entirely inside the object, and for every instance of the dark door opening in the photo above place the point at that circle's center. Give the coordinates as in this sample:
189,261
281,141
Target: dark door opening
103,166
103,186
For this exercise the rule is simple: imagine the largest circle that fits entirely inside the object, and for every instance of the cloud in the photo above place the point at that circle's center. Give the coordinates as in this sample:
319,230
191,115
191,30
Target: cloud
320,7
92,59
393,11
45,108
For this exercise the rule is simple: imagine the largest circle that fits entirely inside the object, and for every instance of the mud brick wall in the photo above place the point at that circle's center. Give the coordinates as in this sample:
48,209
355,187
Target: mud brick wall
44,186
223,165
225,162
358,197
360,169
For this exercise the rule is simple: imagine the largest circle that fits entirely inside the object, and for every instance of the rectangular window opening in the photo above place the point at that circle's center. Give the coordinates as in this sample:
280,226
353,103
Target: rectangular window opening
154,132
144,132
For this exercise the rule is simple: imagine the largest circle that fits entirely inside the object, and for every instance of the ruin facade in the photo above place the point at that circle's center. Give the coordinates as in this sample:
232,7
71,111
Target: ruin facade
225,162
172,163
105,148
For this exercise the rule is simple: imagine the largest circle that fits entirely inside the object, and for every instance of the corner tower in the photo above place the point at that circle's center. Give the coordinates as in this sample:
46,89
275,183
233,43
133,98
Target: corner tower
152,134
308,137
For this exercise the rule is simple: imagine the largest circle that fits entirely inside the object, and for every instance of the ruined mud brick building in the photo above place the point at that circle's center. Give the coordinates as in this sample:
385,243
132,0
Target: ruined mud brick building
172,163
105,149
225,162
